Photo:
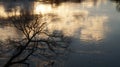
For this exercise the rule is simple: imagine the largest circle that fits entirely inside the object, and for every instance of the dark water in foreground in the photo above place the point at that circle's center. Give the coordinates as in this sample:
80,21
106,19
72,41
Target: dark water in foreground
103,53
94,26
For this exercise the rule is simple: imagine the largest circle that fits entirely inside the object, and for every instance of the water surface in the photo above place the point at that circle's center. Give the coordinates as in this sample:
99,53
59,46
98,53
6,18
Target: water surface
94,26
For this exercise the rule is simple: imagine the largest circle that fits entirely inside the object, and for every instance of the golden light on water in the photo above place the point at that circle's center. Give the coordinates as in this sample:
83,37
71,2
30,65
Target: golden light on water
79,23
94,28
2,12
91,3
5,14
41,8
90,29
71,19
7,32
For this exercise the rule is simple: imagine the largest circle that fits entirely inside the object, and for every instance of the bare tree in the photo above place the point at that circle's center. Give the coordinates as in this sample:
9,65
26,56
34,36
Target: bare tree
36,40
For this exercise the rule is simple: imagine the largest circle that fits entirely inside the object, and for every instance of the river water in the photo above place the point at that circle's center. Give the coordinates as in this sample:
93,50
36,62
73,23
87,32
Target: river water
94,26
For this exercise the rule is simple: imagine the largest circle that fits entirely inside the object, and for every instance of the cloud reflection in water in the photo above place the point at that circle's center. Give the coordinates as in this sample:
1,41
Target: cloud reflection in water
12,12
71,19
79,23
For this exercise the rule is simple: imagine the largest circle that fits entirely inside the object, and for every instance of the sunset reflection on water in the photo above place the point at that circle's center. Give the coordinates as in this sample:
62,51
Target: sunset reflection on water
93,27
5,14
41,8
71,19
78,22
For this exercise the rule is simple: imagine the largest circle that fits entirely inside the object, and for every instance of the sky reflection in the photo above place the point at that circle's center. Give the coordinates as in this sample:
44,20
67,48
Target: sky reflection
41,8
5,14
8,32
76,22
92,3
70,18
95,40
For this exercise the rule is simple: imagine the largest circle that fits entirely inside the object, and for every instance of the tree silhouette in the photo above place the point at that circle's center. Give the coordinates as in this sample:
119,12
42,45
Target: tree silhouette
37,40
